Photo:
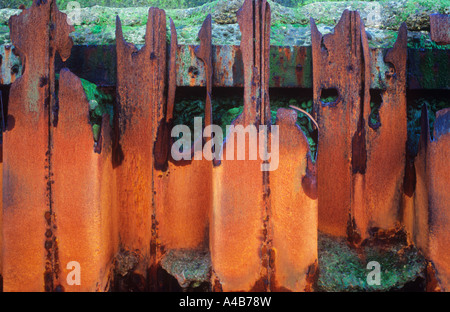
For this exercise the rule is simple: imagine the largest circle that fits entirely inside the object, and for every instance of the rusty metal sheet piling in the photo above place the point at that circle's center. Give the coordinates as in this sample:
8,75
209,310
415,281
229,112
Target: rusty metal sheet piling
360,164
294,209
426,212
83,198
378,191
184,191
336,67
30,258
415,198
141,80
438,169
239,221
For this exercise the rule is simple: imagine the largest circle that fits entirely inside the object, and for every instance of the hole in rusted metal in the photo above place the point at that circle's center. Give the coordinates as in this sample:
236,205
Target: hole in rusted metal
329,96
4,99
416,99
391,73
193,71
375,105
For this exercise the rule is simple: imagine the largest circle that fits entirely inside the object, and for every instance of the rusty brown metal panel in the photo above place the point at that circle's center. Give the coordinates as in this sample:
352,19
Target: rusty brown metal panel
184,191
336,65
141,76
416,186
204,53
360,164
239,221
82,192
438,169
30,260
378,190
440,28
294,209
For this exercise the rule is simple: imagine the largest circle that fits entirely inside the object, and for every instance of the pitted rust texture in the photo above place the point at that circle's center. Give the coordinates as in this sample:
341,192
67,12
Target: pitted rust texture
440,28
294,213
30,258
83,193
141,82
377,192
240,250
360,167
337,65
184,191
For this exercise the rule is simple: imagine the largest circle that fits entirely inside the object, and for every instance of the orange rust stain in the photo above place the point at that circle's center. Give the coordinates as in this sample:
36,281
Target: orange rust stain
184,200
237,223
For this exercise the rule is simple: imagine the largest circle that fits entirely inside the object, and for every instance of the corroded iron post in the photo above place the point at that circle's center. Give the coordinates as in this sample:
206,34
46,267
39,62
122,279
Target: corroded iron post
241,198
184,191
141,82
427,216
293,192
83,192
30,260
439,197
360,163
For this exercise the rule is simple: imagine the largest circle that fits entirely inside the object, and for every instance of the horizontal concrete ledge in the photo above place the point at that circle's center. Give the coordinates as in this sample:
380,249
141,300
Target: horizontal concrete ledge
291,67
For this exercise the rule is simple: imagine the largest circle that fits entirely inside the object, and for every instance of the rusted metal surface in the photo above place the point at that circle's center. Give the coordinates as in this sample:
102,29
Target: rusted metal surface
377,191
163,140
83,194
426,211
241,198
30,258
426,216
184,191
204,53
294,208
127,192
440,28
415,200
337,64
141,80
291,67
360,164
438,170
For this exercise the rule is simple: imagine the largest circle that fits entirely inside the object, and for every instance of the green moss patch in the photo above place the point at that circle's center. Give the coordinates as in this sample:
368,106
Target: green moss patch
345,269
